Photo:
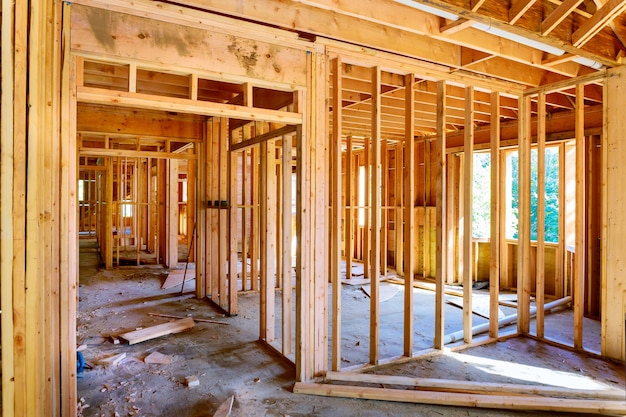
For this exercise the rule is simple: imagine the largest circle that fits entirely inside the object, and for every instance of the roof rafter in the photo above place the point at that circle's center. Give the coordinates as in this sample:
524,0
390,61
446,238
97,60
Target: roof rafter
600,19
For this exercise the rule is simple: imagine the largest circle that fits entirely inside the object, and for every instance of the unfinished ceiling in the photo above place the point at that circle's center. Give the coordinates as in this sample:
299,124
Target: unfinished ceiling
525,43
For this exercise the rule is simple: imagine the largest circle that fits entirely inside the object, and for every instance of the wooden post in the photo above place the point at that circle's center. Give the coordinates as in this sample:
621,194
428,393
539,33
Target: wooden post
409,213
233,222
68,245
541,214
426,261
468,184
365,239
494,262
384,200
223,229
267,194
581,220
335,200
442,253
287,301
254,214
613,223
523,269
375,217
350,202
201,217
172,214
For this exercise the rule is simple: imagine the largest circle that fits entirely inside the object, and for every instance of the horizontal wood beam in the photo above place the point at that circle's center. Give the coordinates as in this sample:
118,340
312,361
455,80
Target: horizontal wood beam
262,138
517,402
206,108
99,152
490,387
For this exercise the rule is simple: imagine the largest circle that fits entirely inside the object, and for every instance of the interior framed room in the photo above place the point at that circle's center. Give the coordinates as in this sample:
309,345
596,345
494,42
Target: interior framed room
458,163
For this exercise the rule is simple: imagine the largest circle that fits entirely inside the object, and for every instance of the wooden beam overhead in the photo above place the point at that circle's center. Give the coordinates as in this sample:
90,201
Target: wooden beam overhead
595,24
518,9
145,101
558,15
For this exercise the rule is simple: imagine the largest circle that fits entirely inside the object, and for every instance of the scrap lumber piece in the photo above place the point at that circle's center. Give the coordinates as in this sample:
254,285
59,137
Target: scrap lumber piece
194,318
157,331
177,276
225,408
609,393
159,358
509,402
112,360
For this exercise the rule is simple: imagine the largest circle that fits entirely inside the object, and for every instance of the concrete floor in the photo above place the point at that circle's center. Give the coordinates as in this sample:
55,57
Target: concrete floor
229,360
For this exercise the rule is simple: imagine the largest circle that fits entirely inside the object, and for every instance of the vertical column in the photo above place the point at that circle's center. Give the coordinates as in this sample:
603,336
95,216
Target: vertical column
523,257
408,180
468,184
350,202
614,217
287,301
172,213
541,215
581,219
442,254
233,222
335,199
375,217
494,243
268,238
68,246
222,212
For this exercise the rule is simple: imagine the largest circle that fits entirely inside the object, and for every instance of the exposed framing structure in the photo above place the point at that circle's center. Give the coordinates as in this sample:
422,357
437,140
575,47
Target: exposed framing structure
405,118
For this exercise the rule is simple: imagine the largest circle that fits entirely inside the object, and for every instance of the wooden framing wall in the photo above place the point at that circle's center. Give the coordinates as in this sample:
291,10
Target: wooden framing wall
38,121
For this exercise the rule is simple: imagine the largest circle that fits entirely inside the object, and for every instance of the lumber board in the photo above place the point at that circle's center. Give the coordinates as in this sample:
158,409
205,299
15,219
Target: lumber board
375,218
177,277
225,408
159,330
468,185
578,276
523,268
408,180
287,267
171,316
441,257
541,213
493,388
335,200
613,224
465,400
495,207
319,195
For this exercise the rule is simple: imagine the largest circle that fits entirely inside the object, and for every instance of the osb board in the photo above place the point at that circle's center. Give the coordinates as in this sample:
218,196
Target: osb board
108,33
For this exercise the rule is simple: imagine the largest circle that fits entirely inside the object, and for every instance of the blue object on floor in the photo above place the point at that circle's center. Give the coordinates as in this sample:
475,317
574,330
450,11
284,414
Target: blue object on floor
80,362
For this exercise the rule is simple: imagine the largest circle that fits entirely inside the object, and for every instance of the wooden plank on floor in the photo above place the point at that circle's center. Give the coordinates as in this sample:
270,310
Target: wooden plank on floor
517,402
159,330
475,386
